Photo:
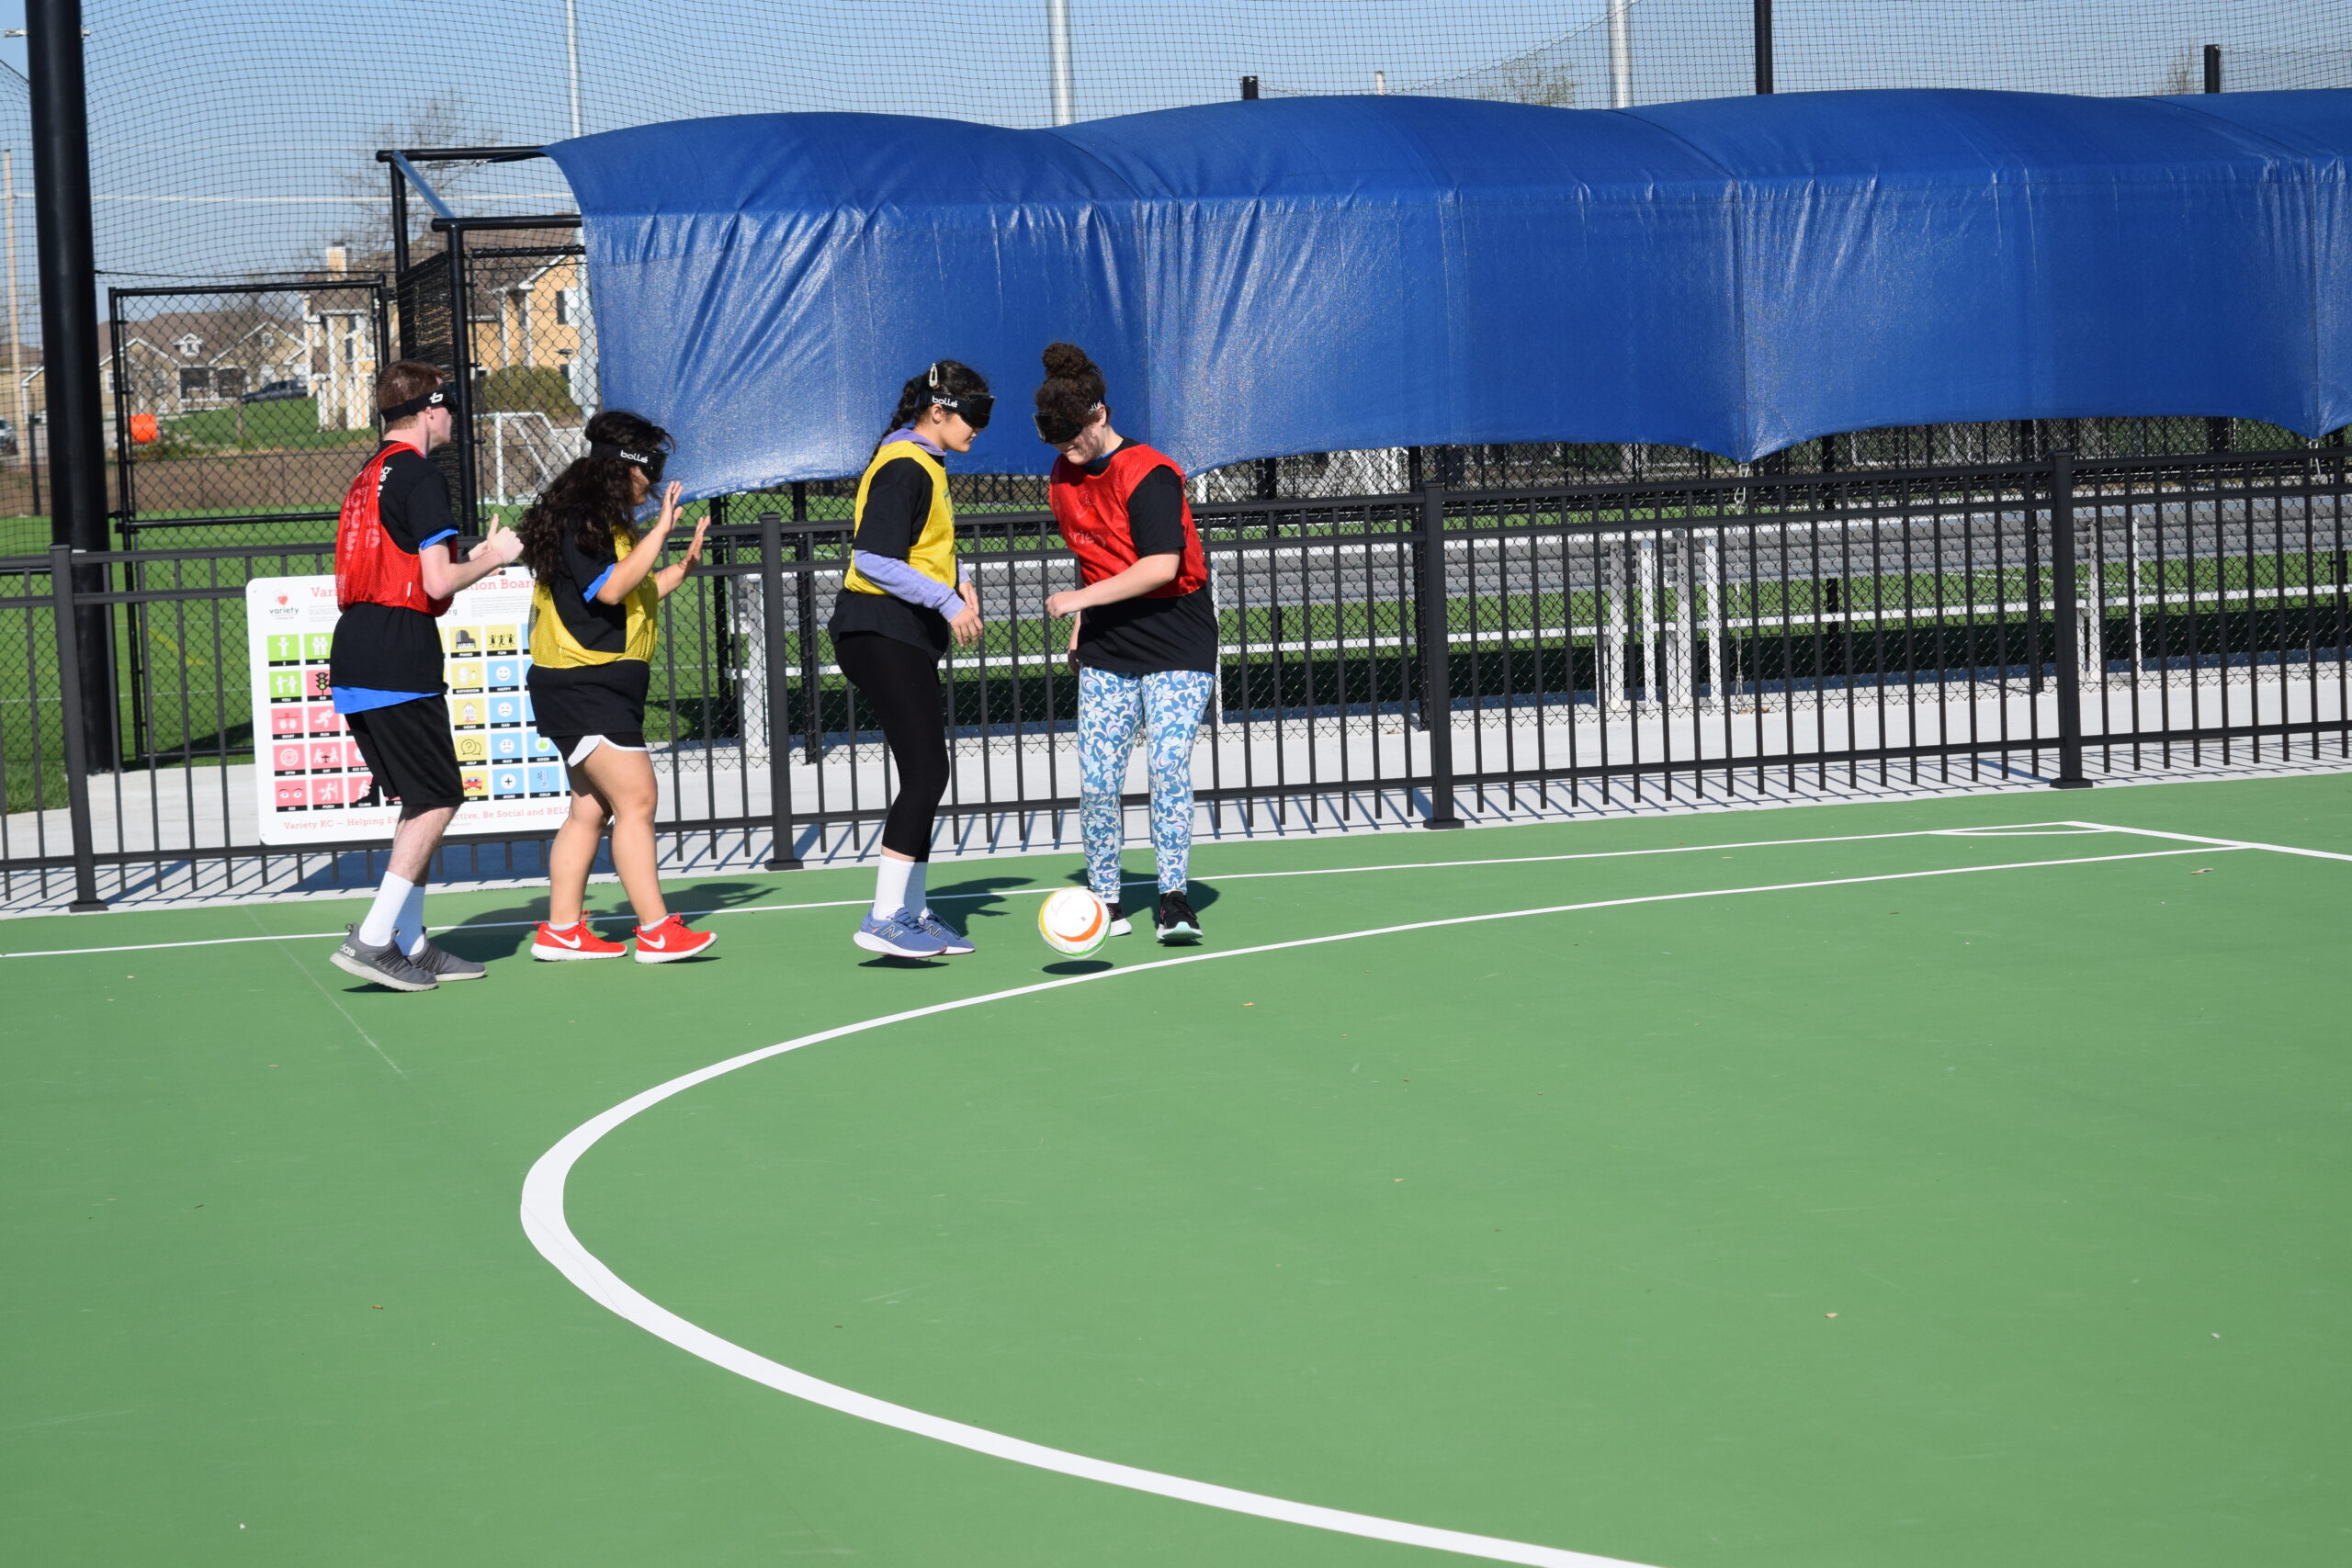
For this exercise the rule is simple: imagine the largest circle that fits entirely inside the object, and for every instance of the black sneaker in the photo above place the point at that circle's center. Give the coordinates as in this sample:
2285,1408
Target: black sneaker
1119,926
1178,926
387,965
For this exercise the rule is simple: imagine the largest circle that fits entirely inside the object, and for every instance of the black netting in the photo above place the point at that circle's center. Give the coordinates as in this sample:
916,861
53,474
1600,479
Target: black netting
231,147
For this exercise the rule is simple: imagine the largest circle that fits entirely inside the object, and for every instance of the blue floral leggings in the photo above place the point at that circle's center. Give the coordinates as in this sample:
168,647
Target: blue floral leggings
1167,705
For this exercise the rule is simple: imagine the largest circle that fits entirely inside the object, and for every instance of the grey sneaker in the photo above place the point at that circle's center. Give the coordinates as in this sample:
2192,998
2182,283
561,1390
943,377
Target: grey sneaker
444,964
387,965
900,936
953,941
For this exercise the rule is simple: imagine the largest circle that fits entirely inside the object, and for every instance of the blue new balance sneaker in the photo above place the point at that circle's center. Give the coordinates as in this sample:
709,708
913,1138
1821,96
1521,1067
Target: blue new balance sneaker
900,936
955,942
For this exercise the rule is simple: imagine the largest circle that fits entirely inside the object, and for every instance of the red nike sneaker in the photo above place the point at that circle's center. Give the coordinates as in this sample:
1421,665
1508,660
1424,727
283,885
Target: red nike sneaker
569,943
670,941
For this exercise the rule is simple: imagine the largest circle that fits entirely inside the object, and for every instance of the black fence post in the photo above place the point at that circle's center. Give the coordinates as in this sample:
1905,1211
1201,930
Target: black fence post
780,853
1429,635
2065,603
2213,67
1763,39
69,311
804,587
1248,89
461,384
77,746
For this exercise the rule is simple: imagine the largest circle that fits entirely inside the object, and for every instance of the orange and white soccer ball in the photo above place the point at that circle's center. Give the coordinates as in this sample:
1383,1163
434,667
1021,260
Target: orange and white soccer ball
1073,921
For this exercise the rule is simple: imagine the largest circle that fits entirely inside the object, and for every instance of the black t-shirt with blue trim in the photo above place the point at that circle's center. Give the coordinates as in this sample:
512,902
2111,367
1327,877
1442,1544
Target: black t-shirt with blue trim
385,647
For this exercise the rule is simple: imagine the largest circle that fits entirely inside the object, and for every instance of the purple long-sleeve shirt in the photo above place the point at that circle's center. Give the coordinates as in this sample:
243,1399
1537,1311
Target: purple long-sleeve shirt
900,579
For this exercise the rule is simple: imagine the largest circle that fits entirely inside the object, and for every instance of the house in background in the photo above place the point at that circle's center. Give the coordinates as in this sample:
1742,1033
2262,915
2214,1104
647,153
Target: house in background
184,361
538,320
340,331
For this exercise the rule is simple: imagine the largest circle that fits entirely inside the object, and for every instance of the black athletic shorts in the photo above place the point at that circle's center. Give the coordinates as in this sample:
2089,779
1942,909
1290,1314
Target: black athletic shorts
593,699
575,750
407,747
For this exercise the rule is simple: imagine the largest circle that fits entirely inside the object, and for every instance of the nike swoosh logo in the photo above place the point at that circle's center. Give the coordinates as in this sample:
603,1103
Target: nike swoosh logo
564,941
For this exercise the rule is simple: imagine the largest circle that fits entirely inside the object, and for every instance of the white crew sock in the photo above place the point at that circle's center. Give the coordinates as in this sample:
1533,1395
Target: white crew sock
383,915
914,887
410,924
890,886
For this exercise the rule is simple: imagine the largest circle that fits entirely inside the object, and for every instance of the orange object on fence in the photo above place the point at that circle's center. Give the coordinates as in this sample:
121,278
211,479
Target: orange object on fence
142,428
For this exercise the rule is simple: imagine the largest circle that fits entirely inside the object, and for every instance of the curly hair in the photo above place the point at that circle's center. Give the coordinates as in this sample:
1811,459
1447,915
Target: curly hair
952,376
592,497
1073,390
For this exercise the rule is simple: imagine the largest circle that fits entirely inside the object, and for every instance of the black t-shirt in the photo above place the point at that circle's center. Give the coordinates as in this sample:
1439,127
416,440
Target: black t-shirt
1144,637
580,569
383,647
897,504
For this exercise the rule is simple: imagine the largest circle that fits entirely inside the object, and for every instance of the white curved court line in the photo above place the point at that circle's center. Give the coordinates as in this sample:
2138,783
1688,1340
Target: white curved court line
550,1230
1138,882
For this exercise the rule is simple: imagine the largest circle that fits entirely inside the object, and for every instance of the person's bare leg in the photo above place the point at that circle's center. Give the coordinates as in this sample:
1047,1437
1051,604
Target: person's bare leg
414,840
625,782
572,854
396,915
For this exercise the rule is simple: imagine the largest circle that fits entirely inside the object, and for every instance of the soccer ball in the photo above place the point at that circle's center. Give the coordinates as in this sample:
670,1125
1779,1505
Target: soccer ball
1073,921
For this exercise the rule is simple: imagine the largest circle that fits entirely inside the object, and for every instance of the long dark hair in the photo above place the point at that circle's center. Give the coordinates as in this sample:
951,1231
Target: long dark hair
592,497
1073,389
948,377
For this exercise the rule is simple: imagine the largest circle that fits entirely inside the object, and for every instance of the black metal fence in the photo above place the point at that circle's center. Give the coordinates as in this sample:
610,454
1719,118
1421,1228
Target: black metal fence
1426,656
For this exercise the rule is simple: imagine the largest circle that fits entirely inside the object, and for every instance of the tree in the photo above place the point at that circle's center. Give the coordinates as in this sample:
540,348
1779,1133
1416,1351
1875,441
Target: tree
1529,80
444,119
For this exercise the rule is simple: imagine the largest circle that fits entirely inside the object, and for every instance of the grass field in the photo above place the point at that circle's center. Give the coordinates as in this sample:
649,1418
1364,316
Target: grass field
284,423
1899,1195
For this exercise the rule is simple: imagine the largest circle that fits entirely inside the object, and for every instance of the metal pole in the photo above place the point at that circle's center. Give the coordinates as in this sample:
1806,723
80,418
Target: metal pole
2213,67
33,439
1437,675
571,56
1248,89
812,729
69,313
1763,46
15,337
1620,54
780,849
77,750
2067,608
399,243
461,382
1064,76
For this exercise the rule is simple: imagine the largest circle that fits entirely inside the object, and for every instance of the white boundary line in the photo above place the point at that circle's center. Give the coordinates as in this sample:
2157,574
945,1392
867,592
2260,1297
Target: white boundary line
2019,830
546,1225
2217,843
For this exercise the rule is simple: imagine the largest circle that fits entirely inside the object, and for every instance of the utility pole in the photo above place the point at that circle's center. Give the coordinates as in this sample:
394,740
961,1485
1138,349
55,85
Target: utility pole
69,319
1620,54
571,56
1763,46
1065,72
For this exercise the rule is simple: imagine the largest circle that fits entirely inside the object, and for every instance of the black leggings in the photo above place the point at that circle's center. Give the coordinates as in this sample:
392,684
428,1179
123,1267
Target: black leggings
900,682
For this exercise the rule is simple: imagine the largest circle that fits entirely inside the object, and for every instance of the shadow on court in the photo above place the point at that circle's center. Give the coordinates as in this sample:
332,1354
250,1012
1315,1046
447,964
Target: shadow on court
979,896
493,934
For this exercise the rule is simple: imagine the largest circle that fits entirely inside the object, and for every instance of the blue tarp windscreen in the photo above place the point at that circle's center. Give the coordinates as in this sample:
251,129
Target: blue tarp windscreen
1313,274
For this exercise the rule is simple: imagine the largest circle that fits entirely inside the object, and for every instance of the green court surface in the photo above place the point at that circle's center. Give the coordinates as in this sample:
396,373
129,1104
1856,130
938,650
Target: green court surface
1898,1185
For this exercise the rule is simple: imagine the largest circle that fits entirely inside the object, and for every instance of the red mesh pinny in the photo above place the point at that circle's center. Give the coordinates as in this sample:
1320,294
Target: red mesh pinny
369,568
